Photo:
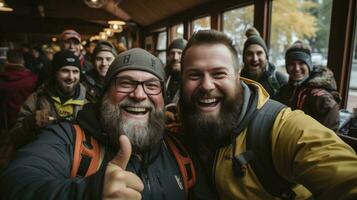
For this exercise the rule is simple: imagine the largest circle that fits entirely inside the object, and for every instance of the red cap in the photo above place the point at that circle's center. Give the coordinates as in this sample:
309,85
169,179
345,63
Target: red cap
67,34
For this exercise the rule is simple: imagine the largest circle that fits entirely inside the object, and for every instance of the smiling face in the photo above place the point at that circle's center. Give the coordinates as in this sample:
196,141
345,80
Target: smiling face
255,61
73,45
136,114
210,93
174,59
297,70
67,79
102,62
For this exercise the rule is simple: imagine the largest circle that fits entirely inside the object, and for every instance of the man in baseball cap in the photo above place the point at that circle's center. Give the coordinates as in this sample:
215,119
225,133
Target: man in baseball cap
60,98
71,40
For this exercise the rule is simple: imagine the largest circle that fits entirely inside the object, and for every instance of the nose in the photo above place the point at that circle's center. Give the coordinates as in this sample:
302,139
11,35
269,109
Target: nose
177,56
71,75
138,94
207,83
255,57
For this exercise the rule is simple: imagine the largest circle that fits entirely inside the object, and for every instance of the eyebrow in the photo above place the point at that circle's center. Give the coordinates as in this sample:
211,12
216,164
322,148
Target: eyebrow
133,79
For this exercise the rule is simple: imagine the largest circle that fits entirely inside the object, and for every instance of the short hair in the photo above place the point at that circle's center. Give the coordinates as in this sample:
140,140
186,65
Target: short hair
15,56
213,37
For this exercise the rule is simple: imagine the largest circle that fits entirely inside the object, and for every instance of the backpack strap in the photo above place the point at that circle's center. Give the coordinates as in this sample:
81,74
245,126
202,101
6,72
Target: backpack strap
259,142
86,157
183,160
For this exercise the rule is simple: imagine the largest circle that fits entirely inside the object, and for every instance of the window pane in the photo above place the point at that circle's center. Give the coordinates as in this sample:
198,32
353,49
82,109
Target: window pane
203,23
235,23
352,93
161,41
177,31
162,56
307,20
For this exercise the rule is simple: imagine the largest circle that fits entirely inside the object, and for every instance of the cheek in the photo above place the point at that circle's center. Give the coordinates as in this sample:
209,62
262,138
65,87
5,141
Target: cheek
189,88
158,101
116,97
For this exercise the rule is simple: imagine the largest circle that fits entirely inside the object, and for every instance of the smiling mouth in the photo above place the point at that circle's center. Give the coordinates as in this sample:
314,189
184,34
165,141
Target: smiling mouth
136,110
208,102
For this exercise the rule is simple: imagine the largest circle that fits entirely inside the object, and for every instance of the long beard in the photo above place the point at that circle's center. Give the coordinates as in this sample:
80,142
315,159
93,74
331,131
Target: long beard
143,135
212,131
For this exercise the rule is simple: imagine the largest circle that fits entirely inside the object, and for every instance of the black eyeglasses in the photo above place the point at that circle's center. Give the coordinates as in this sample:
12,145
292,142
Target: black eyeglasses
151,87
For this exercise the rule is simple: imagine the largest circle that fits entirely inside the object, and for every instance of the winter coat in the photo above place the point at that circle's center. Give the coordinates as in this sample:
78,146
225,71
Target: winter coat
303,151
271,80
26,129
16,84
41,170
93,86
317,96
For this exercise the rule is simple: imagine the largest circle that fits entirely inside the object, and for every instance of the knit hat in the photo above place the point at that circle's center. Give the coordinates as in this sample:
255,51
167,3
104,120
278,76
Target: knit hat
64,58
68,34
253,37
299,51
179,43
135,59
104,45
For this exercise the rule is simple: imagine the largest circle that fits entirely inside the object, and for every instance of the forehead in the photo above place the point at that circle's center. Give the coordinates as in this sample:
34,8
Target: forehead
254,48
208,56
70,68
174,50
105,54
72,40
137,75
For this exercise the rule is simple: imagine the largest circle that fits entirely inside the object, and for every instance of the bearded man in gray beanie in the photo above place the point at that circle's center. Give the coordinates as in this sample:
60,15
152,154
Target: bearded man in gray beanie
310,88
257,66
103,55
136,159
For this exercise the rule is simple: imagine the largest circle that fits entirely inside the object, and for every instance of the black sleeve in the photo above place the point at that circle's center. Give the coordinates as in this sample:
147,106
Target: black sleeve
41,170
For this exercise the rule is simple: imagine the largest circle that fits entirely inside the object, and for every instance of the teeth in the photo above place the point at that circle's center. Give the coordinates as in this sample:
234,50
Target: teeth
135,109
212,100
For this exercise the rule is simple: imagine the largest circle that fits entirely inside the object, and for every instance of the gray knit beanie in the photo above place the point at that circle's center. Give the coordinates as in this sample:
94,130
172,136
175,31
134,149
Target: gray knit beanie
299,51
253,37
135,59
179,43
103,45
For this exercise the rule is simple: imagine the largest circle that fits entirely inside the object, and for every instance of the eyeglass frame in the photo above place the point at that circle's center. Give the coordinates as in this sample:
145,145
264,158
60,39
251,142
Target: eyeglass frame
142,83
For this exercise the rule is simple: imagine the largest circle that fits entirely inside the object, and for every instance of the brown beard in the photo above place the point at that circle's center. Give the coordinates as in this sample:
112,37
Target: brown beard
142,135
214,132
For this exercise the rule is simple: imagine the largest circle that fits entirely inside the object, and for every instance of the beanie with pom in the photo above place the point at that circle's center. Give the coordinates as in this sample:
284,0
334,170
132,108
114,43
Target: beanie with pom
299,51
253,37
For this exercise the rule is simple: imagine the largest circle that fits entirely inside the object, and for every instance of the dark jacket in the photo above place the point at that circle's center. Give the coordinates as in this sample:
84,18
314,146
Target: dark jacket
16,84
41,170
271,80
93,86
317,96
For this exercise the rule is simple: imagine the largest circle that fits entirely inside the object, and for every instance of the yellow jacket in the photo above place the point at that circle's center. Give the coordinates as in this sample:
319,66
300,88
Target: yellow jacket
304,151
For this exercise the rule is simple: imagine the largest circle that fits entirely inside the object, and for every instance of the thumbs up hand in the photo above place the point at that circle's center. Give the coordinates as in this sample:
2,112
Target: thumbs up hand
118,183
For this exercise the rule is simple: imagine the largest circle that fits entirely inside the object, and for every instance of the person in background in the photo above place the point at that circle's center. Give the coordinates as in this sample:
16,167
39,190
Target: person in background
311,88
173,69
216,106
71,40
257,66
16,84
58,99
103,55
89,48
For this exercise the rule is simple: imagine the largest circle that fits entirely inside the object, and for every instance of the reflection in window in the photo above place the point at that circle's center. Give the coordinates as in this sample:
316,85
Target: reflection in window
235,23
203,23
177,31
307,20
352,93
161,46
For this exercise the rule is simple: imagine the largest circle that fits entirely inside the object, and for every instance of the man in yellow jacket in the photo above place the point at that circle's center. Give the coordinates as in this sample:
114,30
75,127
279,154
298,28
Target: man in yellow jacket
214,101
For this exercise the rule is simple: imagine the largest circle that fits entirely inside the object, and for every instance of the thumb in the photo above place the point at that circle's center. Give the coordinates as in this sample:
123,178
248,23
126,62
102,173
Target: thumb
124,153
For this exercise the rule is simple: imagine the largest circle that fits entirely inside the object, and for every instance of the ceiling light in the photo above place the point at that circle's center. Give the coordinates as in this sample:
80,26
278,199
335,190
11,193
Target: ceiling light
95,3
103,36
116,25
4,7
109,32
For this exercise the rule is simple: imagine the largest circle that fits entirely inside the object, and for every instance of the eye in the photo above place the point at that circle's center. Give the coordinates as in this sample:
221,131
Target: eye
194,76
125,83
219,75
152,85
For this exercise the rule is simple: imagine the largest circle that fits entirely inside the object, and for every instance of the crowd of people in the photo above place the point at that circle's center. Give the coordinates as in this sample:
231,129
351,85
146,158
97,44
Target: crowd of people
116,124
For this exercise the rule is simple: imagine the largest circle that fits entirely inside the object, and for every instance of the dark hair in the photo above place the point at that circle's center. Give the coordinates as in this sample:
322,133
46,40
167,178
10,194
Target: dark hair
213,37
15,56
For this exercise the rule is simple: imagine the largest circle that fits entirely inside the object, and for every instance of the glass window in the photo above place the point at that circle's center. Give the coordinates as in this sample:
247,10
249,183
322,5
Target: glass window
235,23
161,46
203,23
177,31
352,93
307,20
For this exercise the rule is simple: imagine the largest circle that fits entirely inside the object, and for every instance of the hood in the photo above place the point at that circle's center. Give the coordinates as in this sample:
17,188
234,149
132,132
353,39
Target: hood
322,77
87,118
15,73
263,95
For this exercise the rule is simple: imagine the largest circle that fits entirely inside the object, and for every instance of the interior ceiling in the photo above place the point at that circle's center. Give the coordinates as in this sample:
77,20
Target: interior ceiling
33,19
